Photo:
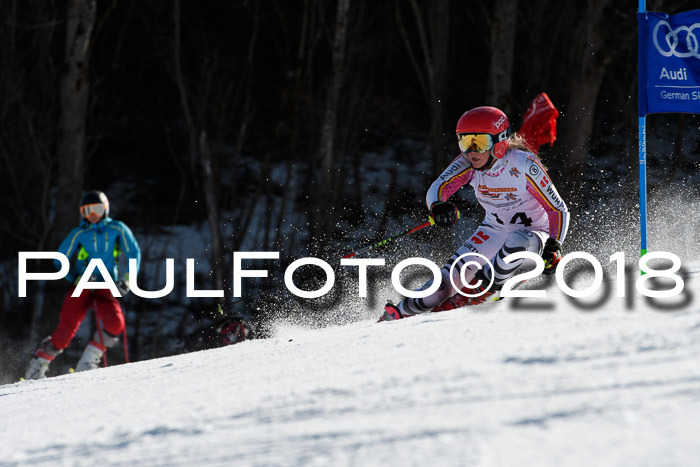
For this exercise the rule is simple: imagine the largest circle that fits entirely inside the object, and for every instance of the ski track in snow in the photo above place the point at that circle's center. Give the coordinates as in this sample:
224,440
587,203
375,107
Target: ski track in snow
485,386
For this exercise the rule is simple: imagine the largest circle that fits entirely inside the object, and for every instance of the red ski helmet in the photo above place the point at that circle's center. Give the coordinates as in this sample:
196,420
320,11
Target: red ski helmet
483,128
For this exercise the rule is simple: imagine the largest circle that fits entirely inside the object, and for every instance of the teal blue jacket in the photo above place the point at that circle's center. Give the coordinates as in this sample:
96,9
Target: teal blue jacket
106,240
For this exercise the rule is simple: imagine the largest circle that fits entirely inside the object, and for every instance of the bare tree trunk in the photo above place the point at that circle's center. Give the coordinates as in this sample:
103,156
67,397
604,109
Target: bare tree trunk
381,231
591,61
74,93
330,117
321,226
288,188
440,21
200,150
580,111
247,113
210,182
432,75
182,89
27,140
269,201
500,77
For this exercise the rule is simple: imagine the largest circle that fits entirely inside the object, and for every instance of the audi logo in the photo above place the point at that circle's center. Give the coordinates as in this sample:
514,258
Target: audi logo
673,37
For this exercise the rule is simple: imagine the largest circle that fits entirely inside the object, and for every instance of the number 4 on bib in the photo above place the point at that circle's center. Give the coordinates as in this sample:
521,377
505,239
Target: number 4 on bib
518,218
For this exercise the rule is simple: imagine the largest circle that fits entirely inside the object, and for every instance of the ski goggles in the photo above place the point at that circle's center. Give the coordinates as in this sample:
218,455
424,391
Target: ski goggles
480,142
93,212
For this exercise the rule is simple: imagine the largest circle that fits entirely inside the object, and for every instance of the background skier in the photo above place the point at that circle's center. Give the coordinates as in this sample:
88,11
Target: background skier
524,212
97,236
226,331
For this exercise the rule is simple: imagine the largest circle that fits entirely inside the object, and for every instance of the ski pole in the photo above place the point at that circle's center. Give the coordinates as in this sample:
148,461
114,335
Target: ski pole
387,240
99,332
126,343
104,353
390,239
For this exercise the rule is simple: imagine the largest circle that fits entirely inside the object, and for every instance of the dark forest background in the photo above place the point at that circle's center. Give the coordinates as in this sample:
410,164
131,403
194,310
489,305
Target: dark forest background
164,103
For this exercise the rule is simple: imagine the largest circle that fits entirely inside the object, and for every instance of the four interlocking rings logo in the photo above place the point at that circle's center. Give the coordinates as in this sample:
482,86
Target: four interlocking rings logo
668,46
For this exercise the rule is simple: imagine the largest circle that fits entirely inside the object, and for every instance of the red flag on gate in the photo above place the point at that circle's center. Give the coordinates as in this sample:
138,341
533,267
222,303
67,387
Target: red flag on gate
540,123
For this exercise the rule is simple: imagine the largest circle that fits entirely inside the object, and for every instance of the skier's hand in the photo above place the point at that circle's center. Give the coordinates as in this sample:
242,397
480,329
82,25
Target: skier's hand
551,256
444,214
123,286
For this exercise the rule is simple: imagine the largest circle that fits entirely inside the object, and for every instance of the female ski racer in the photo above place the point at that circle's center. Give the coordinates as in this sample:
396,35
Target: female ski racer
524,212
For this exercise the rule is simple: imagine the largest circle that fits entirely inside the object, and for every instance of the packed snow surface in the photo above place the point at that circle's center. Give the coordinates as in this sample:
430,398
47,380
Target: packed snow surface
613,382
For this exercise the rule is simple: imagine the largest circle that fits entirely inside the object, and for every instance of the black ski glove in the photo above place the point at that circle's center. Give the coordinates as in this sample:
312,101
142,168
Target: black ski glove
551,256
444,214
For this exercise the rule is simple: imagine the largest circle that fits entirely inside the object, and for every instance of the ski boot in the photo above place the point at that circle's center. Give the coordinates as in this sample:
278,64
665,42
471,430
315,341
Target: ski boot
455,301
486,297
39,365
37,368
92,354
458,300
391,313
91,357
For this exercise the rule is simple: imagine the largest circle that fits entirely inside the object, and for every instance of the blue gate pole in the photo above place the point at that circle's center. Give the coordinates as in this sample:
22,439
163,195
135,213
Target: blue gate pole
643,182
642,148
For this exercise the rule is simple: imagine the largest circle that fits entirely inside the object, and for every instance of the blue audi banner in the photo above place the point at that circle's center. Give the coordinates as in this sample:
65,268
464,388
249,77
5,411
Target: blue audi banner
669,62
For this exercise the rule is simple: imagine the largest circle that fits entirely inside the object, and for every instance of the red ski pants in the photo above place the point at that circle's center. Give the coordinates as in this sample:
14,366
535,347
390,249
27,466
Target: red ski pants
109,314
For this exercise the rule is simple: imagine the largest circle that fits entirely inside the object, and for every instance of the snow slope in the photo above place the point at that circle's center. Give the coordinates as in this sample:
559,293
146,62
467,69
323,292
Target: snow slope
492,385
